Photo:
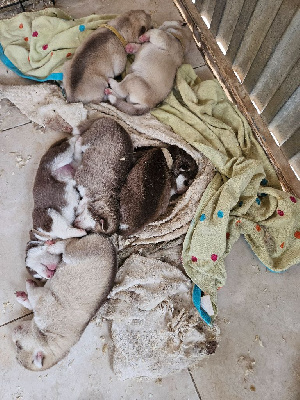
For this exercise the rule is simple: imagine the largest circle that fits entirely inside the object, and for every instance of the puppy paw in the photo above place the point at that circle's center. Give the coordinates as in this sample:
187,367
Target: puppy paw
112,99
30,282
22,298
75,232
107,91
144,38
50,242
132,48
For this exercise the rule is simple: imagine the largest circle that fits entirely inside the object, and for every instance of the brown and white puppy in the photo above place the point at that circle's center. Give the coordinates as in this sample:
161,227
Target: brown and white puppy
67,302
54,192
184,169
102,56
156,177
153,71
106,161
39,262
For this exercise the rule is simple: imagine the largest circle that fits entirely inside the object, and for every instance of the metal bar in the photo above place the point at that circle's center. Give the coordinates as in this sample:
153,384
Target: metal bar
236,92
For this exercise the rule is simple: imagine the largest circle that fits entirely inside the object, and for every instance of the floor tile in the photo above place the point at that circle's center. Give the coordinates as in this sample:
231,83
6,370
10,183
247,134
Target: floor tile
10,116
21,149
85,374
258,355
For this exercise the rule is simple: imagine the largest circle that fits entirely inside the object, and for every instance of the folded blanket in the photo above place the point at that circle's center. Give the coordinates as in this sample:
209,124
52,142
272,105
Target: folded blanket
44,104
36,45
154,327
243,197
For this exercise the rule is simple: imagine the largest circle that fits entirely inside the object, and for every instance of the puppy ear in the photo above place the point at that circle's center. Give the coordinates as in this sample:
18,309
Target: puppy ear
38,359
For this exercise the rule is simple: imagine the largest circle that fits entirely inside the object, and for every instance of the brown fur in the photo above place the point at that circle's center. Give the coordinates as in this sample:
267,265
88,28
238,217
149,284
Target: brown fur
48,192
102,56
150,185
146,192
105,165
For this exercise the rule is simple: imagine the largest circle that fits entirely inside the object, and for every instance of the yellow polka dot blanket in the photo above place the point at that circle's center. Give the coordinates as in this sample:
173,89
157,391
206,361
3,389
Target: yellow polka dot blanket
36,45
244,197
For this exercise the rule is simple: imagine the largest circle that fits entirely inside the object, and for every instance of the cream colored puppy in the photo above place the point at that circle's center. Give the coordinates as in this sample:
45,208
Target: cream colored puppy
102,56
153,71
67,302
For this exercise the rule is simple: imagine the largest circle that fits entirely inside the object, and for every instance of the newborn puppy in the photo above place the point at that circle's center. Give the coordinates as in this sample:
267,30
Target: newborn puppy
106,161
184,170
157,175
102,56
54,192
153,71
65,305
39,262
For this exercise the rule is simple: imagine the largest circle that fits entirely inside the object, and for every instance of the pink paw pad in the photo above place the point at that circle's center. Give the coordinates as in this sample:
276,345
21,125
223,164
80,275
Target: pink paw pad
129,48
144,38
107,91
21,295
50,242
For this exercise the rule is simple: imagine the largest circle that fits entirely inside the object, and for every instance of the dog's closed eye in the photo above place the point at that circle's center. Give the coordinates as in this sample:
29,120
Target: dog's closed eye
183,23
19,347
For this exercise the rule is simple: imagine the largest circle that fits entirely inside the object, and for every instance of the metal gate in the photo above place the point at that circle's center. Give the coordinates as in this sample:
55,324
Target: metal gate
253,47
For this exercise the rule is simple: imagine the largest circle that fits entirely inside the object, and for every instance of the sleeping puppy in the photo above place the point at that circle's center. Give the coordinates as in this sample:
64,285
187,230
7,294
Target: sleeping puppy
106,161
54,192
153,71
64,306
39,262
184,170
158,175
102,56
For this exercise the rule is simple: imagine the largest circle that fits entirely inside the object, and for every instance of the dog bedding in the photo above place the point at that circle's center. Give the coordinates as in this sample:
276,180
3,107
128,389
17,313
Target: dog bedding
150,308
244,197
36,45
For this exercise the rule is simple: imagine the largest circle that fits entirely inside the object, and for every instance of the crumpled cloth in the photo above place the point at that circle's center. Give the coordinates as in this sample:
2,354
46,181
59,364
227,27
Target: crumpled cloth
244,197
45,105
154,326
36,44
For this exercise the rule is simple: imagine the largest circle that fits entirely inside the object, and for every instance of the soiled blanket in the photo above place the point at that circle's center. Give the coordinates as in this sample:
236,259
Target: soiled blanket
244,196
154,326
37,44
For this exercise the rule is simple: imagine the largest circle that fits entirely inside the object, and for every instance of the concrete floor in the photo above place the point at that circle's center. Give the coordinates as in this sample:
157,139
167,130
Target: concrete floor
258,357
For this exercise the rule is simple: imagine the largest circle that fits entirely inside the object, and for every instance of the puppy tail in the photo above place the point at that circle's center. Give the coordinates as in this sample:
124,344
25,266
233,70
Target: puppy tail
128,108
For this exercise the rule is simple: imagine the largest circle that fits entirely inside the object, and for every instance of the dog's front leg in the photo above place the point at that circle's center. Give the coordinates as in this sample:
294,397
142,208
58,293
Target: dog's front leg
34,292
22,298
132,48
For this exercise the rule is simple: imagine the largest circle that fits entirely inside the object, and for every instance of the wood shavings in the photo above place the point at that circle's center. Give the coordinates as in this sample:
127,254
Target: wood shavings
257,339
5,305
247,363
20,160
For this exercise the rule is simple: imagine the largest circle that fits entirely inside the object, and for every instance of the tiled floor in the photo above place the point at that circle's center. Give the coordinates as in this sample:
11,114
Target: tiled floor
258,357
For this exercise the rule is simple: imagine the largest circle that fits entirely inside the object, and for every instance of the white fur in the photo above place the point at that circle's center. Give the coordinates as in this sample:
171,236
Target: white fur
38,258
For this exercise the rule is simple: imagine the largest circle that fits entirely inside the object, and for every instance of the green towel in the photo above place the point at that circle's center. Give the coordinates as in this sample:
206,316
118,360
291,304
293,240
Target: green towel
37,44
245,195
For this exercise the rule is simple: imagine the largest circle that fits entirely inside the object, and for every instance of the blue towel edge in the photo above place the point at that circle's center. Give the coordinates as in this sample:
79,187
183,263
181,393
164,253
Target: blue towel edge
197,303
55,76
